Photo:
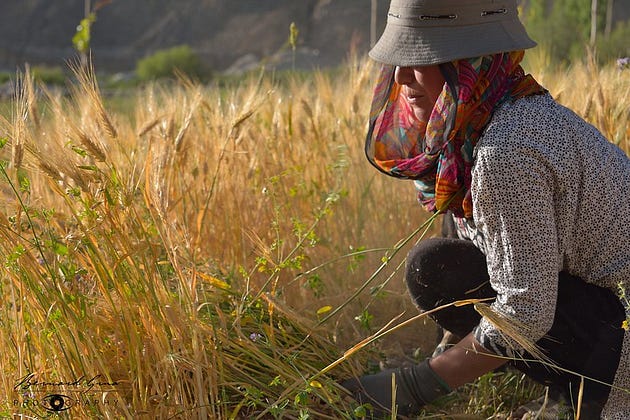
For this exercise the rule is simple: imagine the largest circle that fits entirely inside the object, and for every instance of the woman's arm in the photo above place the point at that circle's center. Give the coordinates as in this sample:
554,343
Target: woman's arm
465,362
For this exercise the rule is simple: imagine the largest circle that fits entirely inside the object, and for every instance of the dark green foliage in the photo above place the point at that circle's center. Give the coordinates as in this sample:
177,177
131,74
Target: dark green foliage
165,63
49,75
44,74
563,28
617,46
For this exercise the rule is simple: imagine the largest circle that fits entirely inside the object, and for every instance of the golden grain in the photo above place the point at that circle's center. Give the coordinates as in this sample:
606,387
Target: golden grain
208,183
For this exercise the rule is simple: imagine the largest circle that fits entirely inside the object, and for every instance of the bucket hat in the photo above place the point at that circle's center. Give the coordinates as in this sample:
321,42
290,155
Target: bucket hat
427,32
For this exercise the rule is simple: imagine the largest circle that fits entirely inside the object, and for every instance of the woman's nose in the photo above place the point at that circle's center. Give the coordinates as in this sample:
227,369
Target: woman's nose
403,75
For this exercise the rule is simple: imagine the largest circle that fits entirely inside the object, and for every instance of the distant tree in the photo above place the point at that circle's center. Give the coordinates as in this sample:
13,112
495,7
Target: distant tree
566,27
609,18
593,35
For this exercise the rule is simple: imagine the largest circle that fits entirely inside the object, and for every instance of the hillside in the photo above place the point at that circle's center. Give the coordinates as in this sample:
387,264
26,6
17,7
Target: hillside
221,31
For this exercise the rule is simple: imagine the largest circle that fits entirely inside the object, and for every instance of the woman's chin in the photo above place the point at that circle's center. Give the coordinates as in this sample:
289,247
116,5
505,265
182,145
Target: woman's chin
421,115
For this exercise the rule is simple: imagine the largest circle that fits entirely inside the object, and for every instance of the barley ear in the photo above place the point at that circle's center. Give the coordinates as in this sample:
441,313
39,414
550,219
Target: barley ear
512,329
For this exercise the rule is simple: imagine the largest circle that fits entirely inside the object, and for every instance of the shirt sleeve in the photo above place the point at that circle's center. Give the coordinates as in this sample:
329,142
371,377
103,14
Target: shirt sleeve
513,190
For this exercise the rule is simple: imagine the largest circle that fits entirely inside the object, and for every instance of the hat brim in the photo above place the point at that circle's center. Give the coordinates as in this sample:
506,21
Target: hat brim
405,46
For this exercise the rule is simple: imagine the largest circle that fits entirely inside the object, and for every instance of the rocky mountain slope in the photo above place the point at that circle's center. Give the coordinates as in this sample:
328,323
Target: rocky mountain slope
221,31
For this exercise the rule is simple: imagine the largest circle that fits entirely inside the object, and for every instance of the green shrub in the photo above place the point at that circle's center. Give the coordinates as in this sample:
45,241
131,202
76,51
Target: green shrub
5,76
163,64
44,74
49,75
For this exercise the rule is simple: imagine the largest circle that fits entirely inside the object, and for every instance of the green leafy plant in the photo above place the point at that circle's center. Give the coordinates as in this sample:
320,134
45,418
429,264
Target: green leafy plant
82,36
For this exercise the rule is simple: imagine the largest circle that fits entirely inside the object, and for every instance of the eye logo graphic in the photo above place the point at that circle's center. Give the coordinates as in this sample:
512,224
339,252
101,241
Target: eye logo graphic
49,398
57,402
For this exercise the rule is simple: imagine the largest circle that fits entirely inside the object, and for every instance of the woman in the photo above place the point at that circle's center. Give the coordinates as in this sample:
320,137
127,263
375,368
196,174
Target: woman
539,198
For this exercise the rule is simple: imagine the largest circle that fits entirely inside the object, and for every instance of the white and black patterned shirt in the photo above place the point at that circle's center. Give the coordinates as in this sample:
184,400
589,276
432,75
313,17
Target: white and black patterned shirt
550,194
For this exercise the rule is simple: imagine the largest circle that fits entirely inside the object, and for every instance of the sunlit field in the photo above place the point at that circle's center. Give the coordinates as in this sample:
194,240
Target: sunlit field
221,251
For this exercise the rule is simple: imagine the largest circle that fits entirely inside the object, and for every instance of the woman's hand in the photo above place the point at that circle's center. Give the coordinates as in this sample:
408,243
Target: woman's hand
415,386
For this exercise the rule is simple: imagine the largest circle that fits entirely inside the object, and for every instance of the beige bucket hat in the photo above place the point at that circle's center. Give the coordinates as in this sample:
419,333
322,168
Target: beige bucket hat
426,32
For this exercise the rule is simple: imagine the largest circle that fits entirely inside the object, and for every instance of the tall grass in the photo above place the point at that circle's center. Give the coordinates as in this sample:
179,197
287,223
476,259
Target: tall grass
598,94
188,256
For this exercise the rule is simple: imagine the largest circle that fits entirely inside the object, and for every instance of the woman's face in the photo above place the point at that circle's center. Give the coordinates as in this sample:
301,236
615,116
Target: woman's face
421,87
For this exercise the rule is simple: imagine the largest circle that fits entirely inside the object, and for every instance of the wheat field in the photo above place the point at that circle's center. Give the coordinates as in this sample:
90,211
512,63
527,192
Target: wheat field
212,251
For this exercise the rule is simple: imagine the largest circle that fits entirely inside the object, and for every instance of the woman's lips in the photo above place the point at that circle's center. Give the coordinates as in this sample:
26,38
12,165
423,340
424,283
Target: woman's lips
414,99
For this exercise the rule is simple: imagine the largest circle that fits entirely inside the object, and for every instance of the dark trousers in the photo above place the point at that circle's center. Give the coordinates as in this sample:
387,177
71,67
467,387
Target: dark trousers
586,336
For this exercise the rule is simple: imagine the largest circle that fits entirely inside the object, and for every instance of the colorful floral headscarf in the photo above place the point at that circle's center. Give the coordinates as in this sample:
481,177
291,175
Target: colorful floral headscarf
438,154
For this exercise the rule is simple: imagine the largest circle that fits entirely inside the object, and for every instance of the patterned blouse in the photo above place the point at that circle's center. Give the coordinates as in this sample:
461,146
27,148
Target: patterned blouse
550,193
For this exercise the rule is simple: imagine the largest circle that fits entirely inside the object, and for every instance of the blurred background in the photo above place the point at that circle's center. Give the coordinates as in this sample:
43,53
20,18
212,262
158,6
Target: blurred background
215,37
